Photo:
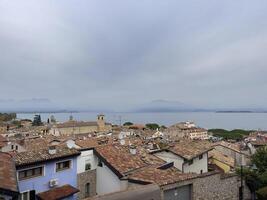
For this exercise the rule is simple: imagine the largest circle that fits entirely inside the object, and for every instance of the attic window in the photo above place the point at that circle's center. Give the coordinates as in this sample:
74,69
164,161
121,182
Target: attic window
190,162
100,164
88,166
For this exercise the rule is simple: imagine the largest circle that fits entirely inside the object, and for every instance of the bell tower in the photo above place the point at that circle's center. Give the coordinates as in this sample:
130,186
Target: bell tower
101,122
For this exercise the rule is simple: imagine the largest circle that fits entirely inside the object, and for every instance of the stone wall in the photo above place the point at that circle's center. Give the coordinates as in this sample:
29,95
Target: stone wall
218,187
212,186
82,179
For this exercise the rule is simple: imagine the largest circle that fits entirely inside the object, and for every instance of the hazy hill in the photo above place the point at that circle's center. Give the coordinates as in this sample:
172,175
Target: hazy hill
166,106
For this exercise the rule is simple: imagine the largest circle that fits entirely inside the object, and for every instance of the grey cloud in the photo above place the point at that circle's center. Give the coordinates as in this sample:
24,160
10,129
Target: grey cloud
120,53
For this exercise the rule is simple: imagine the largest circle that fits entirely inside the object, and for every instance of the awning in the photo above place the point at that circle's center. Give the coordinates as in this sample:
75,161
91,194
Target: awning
58,193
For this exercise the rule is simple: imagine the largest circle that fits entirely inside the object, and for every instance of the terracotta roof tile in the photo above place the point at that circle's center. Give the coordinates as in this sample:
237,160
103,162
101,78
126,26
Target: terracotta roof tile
30,157
189,149
161,177
119,158
234,147
8,178
3,139
93,142
58,193
259,143
87,143
222,158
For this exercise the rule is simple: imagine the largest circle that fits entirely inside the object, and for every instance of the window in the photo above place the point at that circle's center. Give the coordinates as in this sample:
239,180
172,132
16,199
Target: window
25,196
12,146
87,166
100,164
16,147
190,162
62,165
29,195
201,171
30,173
87,190
200,157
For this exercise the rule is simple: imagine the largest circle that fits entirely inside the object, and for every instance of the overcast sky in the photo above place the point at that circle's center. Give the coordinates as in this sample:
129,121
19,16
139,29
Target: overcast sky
119,53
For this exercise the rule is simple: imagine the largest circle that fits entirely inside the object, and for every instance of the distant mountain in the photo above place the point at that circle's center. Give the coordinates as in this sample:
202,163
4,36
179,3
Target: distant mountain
167,106
29,105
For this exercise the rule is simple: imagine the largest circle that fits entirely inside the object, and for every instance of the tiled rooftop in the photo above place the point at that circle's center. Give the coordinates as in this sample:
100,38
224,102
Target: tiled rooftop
152,174
234,147
259,143
189,149
222,158
58,193
30,157
87,143
120,158
149,158
93,142
7,173
3,141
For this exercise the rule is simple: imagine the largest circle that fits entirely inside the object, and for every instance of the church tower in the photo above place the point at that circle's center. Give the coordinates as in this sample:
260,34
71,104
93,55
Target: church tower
101,122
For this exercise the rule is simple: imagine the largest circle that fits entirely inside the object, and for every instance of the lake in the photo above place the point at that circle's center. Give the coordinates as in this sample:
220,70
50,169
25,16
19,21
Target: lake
202,119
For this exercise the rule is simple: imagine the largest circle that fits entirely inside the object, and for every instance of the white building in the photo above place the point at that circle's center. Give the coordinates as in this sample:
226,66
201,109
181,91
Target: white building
197,164
86,170
187,156
114,163
198,133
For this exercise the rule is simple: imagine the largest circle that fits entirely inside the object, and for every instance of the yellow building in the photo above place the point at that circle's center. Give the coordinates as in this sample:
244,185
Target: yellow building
80,127
3,128
224,162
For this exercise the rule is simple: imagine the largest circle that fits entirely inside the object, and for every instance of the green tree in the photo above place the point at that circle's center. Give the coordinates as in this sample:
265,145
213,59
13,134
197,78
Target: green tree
236,134
256,179
262,193
37,120
163,127
17,123
7,116
127,124
260,159
152,126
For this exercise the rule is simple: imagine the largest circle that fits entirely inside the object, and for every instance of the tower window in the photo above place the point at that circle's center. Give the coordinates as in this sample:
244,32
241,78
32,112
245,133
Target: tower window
87,190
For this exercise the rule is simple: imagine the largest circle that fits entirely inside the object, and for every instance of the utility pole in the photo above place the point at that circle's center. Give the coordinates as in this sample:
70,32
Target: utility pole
241,188
120,119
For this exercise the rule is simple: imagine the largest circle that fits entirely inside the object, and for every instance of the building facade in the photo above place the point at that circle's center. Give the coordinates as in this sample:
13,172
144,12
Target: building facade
57,173
198,164
86,173
79,127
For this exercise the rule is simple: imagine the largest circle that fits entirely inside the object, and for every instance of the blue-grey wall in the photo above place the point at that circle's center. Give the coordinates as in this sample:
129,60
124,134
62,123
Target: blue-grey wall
41,184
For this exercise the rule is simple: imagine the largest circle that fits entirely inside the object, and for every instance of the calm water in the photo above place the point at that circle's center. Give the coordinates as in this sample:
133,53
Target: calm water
203,119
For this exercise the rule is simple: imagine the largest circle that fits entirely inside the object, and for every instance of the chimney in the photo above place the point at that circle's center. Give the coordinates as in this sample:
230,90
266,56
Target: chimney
122,142
132,149
52,149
